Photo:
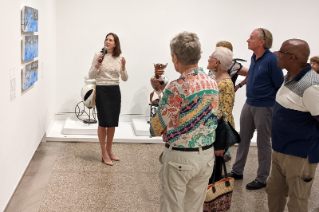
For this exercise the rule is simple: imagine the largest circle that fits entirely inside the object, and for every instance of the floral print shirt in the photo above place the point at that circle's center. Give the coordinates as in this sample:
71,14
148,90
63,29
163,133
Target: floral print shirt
226,100
187,112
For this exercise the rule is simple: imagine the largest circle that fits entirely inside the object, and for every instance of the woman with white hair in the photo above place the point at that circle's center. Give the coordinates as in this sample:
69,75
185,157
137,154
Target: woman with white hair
219,62
186,117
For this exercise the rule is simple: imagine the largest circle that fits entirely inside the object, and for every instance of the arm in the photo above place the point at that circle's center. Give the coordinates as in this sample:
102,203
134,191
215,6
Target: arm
94,70
243,71
225,108
167,112
226,101
311,100
123,72
241,84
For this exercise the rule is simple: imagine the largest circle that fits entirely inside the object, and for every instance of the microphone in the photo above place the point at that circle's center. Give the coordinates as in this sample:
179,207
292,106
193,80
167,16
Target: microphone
103,53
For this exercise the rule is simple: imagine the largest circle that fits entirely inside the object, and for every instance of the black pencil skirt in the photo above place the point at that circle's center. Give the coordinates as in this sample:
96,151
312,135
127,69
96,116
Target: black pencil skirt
108,105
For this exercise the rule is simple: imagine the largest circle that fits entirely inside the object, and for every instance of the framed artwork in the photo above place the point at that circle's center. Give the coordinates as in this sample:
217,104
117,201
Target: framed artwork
29,19
30,46
29,74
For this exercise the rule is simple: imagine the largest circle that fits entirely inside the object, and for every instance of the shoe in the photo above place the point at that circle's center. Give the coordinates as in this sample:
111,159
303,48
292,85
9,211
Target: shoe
235,176
227,158
113,157
255,185
107,163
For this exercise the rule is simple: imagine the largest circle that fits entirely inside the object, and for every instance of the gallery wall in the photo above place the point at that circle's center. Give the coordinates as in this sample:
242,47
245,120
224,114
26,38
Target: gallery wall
145,28
25,119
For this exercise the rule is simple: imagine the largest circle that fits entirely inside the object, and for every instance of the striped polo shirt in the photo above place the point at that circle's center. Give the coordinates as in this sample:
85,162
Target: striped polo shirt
295,128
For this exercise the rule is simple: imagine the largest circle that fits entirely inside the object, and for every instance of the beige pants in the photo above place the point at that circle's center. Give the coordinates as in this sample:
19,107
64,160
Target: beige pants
290,176
184,178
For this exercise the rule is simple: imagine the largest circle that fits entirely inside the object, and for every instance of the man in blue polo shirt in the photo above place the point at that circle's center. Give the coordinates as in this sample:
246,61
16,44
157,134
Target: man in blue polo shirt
295,131
264,80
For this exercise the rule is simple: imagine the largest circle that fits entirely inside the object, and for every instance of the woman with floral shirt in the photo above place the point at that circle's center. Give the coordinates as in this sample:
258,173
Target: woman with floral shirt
219,62
187,119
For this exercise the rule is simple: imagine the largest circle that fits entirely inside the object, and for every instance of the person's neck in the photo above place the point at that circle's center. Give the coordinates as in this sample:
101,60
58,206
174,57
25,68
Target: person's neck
109,51
259,52
221,74
294,71
184,68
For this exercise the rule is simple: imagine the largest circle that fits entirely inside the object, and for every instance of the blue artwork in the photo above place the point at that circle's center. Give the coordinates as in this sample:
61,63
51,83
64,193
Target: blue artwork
30,46
29,75
29,19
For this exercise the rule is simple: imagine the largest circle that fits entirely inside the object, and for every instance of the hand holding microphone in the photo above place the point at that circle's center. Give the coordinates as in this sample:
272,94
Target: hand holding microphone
101,57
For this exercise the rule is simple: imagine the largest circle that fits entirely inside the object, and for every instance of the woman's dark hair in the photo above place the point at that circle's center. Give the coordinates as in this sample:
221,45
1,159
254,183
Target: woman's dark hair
117,50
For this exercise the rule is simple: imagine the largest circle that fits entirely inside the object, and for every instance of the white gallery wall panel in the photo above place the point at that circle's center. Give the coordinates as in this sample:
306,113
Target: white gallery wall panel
145,28
25,118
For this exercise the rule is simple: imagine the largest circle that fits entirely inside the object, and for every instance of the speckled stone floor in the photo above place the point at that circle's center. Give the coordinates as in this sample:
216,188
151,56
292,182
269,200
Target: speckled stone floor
70,177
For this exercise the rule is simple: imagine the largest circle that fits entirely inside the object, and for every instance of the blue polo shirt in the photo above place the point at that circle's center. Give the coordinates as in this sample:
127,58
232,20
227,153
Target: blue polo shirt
264,80
295,128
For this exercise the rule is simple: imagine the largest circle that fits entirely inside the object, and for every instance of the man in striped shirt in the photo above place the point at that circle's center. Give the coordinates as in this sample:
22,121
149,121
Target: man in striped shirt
295,131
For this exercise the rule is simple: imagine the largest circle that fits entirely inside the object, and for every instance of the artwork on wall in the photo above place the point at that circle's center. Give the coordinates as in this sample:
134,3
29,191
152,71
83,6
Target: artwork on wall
29,19
29,75
30,47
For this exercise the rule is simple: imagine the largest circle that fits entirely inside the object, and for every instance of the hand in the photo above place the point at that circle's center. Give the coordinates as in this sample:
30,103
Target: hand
236,87
98,61
123,61
219,153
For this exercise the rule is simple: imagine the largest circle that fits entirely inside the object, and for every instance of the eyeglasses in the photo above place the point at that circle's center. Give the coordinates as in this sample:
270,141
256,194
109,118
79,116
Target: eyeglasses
287,53
210,57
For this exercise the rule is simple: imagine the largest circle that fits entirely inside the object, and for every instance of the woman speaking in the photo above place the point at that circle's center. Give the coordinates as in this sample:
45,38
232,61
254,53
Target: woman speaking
107,67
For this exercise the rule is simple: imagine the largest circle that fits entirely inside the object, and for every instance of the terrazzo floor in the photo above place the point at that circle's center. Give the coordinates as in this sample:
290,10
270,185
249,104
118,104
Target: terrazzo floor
70,177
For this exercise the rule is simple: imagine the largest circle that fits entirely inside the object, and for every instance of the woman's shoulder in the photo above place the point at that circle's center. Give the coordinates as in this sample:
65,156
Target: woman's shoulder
225,83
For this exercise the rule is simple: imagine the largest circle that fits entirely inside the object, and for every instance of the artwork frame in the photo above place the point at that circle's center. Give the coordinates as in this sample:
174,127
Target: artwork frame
30,47
29,74
30,17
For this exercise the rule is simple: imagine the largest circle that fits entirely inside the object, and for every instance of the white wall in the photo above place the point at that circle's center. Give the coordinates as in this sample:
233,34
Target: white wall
24,120
145,28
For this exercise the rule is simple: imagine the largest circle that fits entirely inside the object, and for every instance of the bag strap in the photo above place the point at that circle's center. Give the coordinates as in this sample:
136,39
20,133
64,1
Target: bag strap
224,168
227,183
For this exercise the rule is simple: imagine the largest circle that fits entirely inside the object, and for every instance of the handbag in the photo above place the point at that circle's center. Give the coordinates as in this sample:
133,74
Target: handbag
219,194
226,135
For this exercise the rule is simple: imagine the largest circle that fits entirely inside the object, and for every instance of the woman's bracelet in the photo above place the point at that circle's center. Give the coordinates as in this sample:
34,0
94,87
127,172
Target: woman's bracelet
240,85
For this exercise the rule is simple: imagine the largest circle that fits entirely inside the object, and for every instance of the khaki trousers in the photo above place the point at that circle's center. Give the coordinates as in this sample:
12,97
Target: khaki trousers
184,179
291,177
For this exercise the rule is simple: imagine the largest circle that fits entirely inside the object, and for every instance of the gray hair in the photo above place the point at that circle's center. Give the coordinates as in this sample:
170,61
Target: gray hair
186,47
265,34
225,57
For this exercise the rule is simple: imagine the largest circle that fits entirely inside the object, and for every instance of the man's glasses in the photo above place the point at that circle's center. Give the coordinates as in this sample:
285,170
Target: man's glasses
287,53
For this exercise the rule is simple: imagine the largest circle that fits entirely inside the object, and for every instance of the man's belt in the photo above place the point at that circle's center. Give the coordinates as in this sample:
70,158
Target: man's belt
188,149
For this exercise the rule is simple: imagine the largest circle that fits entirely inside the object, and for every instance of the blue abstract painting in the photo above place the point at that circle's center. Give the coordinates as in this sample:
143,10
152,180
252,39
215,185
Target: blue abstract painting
29,75
30,46
29,19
